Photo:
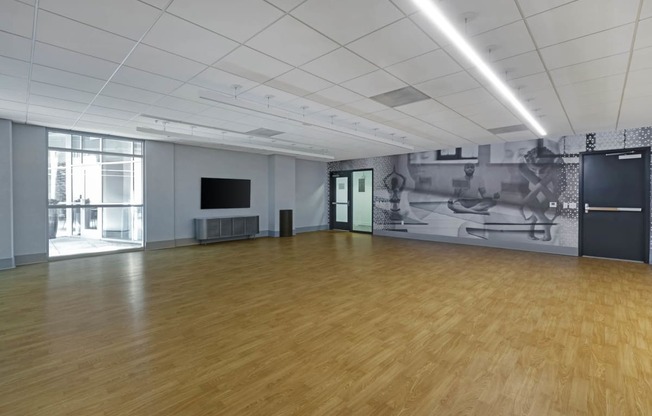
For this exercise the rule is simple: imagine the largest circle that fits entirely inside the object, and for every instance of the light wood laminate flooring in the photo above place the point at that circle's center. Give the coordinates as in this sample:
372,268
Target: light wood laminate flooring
326,323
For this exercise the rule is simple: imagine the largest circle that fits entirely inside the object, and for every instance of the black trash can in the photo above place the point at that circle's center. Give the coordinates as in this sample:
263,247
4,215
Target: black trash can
285,222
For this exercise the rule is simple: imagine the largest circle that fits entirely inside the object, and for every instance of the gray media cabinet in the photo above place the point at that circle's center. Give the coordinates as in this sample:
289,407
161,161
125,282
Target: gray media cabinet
225,228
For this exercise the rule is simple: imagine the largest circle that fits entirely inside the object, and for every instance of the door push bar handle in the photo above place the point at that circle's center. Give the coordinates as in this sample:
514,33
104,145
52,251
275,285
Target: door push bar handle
340,203
588,209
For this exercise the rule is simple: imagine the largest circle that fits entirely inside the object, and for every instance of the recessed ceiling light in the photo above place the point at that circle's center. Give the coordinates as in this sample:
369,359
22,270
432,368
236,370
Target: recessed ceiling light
435,15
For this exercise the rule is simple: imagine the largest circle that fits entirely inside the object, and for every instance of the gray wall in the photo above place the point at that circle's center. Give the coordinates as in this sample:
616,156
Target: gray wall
30,193
159,194
282,174
172,191
6,198
311,189
193,163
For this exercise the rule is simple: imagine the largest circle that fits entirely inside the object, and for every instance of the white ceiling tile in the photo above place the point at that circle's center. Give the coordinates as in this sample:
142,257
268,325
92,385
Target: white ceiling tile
422,107
473,17
530,85
186,106
519,136
14,92
495,117
111,112
517,66
345,21
428,66
66,79
68,34
14,46
335,96
635,112
13,83
291,41
450,84
644,34
394,43
252,65
185,39
55,121
646,12
12,106
305,106
218,80
588,48
465,98
14,67
498,44
145,80
437,117
159,4
128,18
237,20
385,115
286,5
42,101
406,6
63,93
612,65
53,112
641,59
163,63
363,107
580,18
16,18
339,66
130,93
260,93
589,94
120,104
375,83
299,82
531,7
639,83
95,120
55,57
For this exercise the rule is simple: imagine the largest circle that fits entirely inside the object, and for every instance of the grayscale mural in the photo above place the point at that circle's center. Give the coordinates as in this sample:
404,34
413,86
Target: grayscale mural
510,193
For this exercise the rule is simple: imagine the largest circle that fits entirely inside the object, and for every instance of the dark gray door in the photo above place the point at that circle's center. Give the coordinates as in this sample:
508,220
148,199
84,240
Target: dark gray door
615,200
340,200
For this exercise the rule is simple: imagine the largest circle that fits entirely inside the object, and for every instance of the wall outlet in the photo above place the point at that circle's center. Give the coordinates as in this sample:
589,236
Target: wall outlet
553,205
565,205
572,205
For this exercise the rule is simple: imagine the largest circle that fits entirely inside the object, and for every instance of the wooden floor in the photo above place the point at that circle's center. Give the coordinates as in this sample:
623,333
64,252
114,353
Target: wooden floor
326,323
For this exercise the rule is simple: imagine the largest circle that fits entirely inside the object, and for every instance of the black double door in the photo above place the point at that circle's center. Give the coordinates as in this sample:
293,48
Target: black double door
615,204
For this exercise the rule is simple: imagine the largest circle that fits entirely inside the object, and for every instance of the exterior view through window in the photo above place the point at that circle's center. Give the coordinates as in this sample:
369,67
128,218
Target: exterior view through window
95,194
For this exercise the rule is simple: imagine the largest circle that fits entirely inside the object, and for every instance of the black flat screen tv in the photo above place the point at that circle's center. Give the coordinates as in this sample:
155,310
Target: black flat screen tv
225,193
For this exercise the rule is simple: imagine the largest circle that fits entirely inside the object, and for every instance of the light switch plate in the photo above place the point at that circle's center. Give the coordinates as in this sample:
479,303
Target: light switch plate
572,205
553,205
565,205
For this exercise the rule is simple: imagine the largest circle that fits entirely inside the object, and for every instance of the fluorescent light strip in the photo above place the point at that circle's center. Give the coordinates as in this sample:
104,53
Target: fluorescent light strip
438,18
286,115
172,134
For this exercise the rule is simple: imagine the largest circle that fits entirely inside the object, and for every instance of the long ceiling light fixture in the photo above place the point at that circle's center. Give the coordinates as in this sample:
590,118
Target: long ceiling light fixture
287,115
213,140
444,25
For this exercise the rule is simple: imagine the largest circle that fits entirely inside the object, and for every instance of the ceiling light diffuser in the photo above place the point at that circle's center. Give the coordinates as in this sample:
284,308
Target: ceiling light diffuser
433,13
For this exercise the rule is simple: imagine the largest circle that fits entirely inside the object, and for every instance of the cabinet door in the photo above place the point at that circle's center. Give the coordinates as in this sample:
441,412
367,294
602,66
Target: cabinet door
251,226
226,227
239,226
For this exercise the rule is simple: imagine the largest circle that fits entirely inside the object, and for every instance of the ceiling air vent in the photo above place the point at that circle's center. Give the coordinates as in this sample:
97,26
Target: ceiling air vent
264,132
403,96
508,129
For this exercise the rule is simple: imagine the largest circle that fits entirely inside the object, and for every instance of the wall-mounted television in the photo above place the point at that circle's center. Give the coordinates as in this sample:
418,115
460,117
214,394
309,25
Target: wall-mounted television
225,193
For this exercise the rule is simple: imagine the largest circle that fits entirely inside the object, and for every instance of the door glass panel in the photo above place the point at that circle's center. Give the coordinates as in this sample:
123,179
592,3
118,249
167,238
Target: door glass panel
362,200
342,199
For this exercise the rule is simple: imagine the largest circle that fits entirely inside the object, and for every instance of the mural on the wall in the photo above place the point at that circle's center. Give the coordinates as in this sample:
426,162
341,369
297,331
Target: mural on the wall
511,193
